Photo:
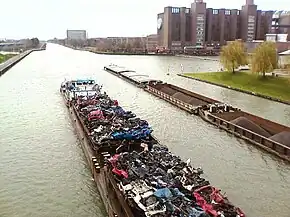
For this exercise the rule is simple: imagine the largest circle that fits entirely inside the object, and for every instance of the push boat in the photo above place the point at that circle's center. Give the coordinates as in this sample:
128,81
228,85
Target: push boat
135,175
268,135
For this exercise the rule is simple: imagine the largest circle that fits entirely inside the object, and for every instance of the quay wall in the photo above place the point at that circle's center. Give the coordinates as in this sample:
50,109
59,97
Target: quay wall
5,66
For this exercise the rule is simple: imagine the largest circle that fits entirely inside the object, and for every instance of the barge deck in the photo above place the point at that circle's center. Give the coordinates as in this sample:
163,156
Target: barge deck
135,175
268,135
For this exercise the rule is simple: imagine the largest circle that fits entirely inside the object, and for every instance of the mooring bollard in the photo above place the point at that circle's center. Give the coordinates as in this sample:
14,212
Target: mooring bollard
98,169
106,157
97,165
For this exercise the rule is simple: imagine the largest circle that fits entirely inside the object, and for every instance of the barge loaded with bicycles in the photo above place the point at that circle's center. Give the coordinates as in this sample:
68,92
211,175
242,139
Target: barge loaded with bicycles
266,134
136,175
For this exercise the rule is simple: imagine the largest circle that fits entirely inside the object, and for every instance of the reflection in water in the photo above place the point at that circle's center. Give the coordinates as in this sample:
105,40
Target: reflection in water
44,171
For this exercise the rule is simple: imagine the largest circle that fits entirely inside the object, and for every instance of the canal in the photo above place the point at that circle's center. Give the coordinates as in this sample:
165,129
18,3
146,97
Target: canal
43,170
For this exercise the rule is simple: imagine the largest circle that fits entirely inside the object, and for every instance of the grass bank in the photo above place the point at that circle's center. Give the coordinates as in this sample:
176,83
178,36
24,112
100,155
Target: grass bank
274,87
4,57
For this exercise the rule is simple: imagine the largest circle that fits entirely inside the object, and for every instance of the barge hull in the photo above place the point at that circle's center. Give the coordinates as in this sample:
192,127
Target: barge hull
105,189
264,143
192,102
118,172
120,75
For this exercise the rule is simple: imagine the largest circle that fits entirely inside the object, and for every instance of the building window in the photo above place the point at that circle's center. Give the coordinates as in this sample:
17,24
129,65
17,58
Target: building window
228,12
175,10
200,17
187,10
215,11
238,12
251,19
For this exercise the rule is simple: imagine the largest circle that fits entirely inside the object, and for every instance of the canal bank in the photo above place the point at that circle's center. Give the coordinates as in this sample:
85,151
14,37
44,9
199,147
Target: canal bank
92,50
213,58
6,56
44,172
127,53
5,66
287,102
251,128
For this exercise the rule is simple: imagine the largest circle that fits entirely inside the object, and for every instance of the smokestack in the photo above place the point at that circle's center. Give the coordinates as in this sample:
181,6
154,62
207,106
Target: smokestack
249,2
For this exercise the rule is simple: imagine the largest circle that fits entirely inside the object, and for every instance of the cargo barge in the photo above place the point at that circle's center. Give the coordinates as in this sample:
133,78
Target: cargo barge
266,134
140,80
135,175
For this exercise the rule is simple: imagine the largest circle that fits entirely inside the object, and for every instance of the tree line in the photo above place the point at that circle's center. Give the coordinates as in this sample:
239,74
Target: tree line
264,58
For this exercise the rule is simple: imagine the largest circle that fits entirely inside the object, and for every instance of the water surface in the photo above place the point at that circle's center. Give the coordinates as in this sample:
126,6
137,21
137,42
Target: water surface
43,170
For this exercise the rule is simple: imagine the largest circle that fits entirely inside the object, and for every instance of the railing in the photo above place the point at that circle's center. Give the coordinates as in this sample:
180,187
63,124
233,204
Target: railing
186,106
252,136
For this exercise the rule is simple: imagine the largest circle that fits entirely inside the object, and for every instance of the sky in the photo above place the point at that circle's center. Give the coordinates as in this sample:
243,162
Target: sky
47,19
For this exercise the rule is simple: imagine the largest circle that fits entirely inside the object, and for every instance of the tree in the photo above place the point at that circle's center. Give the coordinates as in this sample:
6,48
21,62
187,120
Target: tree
128,47
35,42
233,55
137,44
122,45
264,58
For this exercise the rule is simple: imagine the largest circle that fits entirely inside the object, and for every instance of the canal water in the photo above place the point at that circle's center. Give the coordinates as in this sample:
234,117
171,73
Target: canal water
43,170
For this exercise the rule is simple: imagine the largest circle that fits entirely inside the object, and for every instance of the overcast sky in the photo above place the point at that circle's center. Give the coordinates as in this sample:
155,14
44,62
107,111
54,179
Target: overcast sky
47,19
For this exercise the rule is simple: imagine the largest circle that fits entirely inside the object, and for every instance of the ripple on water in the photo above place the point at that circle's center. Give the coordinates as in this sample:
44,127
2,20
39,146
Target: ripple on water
43,170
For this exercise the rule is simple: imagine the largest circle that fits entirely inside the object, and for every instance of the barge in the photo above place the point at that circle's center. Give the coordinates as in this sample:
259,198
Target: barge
140,80
266,134
135,175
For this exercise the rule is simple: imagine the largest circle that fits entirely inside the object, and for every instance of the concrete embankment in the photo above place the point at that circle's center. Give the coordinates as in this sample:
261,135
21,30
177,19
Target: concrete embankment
216,59
5,66
118,53
128,53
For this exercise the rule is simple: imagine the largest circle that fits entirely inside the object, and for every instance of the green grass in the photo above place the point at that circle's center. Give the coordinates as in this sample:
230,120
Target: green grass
275,87
4,57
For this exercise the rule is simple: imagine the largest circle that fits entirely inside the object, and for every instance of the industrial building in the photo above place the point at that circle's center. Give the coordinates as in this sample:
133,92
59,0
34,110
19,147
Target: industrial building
76,35
199,26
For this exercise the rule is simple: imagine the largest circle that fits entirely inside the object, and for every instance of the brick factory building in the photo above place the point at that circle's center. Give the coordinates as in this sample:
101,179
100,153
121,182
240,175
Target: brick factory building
199,26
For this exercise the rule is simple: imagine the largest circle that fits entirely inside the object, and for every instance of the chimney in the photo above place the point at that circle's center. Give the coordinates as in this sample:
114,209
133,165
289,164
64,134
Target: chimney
249,2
